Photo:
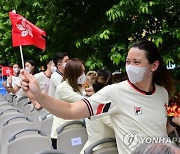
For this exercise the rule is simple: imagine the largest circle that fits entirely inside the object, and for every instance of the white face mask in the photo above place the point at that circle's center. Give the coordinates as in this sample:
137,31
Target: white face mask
16,70
27,69
135,73
82,79
53,69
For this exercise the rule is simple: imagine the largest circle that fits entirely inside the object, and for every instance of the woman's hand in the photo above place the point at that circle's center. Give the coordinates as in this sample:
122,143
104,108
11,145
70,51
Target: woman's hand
9,80
4,84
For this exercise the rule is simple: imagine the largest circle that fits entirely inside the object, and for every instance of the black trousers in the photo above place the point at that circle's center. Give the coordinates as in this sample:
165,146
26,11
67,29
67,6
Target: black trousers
54,143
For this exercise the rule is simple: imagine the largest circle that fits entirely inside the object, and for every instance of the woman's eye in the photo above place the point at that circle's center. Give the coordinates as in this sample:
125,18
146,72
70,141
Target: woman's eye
137,62
127,62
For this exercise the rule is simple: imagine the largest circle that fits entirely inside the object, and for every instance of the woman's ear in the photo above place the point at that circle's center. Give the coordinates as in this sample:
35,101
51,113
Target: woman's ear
155,66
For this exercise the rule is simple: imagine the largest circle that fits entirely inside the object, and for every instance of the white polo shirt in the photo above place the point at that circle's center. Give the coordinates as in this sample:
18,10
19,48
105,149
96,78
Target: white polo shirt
20,92
15,79
66,93
55,80
43,81
134,113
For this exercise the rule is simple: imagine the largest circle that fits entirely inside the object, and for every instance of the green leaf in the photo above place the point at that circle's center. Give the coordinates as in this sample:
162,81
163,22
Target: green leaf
78,44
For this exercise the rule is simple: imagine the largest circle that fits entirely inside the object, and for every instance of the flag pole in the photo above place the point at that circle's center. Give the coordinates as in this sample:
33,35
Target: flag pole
22,59
2,72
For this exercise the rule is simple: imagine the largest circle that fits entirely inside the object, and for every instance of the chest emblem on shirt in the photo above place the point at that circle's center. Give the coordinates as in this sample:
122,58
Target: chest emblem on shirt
138,110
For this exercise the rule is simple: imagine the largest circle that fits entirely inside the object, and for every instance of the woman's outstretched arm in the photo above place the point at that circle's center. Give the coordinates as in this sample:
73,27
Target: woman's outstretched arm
59,108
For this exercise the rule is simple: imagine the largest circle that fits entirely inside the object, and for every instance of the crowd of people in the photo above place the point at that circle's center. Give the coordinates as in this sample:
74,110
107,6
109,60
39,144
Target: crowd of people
112,106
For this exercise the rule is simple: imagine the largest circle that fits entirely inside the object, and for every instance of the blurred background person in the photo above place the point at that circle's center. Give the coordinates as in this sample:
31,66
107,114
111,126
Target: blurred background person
43,79
60,59
31,67
16,89
12,79
91,77
69,90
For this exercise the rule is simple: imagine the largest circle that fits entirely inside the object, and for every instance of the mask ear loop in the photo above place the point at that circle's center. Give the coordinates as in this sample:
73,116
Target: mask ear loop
149,73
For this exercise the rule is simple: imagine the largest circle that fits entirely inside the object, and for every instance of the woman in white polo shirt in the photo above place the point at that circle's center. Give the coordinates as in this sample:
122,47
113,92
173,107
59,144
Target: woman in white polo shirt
137,106
70,90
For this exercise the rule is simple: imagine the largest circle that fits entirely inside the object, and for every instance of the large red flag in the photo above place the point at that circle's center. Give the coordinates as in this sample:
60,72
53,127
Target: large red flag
25,33
6,70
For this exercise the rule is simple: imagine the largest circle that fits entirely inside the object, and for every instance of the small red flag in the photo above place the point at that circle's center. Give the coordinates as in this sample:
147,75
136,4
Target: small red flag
7,71
25,33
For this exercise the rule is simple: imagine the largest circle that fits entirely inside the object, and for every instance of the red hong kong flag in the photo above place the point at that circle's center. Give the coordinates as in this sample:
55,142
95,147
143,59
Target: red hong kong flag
25,33
6,71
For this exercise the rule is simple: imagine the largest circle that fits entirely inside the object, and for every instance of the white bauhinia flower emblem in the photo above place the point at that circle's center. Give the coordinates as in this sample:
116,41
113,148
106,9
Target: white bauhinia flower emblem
8,71
24,28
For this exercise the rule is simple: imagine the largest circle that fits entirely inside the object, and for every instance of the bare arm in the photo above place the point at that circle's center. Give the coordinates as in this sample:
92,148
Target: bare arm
10,88
59,108
6,87
14,89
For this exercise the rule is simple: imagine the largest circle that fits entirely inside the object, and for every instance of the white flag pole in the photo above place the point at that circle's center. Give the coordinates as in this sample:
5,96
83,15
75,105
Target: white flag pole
22,59
2,72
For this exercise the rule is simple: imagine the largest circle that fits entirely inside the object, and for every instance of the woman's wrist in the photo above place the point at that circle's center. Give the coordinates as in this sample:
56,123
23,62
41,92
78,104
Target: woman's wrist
38,96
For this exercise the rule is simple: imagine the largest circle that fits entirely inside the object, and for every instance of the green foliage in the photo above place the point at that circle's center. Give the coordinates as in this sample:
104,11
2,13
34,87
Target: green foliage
98,32
93,63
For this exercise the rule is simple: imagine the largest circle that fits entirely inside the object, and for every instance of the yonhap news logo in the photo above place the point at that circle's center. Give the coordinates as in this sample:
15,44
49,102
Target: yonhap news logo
132,139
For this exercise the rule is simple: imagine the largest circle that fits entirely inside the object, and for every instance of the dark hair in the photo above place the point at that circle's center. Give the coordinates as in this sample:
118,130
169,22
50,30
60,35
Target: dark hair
118,77
106,76
72,71
47,61
161,76
15,64
58,57
32,62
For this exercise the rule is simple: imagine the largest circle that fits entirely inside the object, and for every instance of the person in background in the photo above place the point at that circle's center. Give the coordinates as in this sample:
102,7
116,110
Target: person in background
91,77
12,79
103,78
118,76
69,90
43,79
31,67
16,89
136,106
16,71
60,59
42,68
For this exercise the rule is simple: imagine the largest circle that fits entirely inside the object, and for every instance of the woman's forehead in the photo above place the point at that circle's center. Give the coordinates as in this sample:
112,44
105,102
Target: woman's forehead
136,53
15,65
28,64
